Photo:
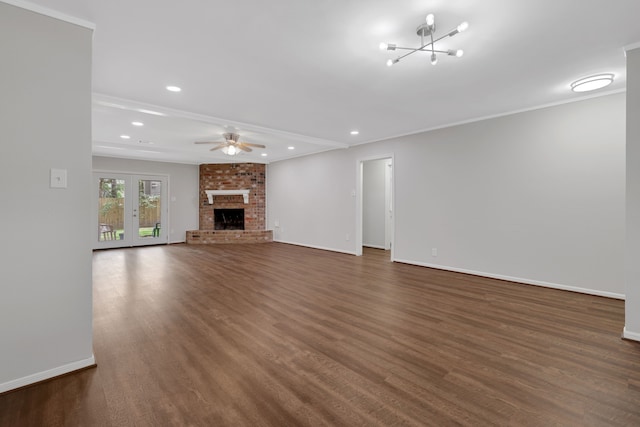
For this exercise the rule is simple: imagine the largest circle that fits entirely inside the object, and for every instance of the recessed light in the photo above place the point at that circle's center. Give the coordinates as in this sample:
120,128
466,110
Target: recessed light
137,123
173,89
291,148
590,83
355,132
125,137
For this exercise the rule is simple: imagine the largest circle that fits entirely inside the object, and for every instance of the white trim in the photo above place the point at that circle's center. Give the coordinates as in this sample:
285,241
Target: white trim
322,248
518,280
496,116
243,193
127,104
632,46
359,188
50,13
628,335
48,374
595,292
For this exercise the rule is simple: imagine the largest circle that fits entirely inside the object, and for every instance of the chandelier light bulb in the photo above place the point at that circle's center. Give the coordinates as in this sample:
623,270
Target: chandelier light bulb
462,27
383,46
434,59
459,53
430,19
389,63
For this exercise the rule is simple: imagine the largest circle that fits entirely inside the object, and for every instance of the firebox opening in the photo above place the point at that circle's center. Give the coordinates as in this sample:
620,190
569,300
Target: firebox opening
228,219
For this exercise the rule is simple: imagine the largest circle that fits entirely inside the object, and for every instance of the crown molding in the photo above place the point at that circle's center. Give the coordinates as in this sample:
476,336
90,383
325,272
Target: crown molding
632,46
50,13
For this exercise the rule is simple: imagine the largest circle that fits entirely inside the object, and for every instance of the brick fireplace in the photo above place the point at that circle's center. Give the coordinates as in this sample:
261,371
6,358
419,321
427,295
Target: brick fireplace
236,186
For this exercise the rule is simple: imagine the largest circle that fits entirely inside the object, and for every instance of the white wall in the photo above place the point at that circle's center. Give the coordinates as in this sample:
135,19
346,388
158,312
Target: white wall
536,197
45,122
183,189
632,262
310,200
374,208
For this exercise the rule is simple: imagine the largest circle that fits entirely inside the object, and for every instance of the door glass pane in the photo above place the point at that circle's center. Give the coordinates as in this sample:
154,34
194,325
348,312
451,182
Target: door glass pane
149,208
110,209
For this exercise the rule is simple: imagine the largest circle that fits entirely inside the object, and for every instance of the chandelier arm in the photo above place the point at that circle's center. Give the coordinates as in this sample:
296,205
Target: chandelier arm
445,36
412,48
434,50
407,54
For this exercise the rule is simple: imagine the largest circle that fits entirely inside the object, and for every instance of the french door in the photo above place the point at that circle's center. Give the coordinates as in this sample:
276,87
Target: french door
129,210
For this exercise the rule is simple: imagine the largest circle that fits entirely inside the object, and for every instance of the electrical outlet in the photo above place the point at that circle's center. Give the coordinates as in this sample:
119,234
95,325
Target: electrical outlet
434,251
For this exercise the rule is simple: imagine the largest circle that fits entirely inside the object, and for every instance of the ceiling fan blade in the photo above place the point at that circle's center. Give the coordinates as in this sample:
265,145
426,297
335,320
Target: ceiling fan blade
244,148
219,146
254,145
208,142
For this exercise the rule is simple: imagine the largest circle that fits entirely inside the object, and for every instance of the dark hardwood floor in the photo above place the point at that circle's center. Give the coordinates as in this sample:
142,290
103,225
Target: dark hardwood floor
278,335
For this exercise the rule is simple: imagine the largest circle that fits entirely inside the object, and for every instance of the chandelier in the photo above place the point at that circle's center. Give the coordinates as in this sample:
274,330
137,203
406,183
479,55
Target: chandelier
427,42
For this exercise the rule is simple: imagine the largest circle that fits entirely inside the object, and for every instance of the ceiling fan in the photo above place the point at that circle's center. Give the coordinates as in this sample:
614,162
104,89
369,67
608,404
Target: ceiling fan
232,144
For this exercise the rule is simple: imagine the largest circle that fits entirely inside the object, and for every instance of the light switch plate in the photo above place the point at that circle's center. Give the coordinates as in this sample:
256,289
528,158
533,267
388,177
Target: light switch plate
58,178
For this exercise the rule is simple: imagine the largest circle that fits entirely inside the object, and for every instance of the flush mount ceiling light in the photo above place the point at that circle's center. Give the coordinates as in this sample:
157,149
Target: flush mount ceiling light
173,89
425,31
590,83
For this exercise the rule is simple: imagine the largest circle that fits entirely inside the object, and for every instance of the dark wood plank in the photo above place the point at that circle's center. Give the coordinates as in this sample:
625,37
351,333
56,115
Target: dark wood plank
279,335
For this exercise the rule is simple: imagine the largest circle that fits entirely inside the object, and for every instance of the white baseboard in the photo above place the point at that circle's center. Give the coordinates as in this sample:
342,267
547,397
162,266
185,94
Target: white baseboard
577,289
315,247
518,280
45,375
628,335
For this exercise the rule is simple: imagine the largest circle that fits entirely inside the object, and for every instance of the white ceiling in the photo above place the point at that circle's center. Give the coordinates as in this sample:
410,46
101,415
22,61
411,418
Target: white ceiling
305,73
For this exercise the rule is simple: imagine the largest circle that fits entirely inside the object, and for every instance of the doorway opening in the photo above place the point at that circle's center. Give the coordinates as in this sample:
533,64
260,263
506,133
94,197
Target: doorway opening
375,207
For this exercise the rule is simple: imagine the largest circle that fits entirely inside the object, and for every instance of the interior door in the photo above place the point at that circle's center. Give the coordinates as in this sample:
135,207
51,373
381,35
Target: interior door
129,210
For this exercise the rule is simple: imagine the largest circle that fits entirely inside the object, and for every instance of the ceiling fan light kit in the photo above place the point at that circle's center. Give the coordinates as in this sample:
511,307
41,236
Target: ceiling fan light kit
231,146
427,42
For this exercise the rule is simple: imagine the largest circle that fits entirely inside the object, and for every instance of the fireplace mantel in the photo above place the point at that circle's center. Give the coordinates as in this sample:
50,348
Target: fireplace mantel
243,193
